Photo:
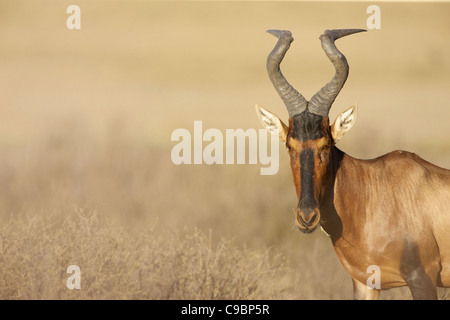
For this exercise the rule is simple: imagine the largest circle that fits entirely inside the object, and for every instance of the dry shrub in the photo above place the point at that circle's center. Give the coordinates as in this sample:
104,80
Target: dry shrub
118,264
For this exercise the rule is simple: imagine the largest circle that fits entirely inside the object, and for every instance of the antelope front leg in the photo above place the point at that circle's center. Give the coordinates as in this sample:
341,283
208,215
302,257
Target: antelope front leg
363,292
422,286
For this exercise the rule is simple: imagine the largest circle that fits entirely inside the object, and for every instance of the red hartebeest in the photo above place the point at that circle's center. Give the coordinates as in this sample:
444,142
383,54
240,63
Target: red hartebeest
392,211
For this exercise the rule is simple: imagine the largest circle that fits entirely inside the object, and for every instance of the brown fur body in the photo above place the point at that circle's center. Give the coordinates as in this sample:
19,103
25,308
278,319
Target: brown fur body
393,212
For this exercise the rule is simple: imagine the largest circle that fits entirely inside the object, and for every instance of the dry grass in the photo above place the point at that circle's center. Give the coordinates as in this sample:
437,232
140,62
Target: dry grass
125,216
85,125
118,264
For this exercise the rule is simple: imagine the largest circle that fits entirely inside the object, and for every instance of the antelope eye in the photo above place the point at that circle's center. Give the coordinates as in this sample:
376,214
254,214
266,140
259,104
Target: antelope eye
325,147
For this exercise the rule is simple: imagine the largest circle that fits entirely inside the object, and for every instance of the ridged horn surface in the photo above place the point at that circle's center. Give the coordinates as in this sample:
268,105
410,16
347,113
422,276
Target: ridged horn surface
321,102
294,101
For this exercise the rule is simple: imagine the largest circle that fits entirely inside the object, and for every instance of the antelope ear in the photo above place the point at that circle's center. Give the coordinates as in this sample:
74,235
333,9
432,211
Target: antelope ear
272,123
344,122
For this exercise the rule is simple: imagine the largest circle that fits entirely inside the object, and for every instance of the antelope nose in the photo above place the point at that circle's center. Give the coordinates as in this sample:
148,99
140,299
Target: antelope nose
308,218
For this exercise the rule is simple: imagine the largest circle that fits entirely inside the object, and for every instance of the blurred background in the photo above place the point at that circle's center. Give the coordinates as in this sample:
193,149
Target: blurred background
86,118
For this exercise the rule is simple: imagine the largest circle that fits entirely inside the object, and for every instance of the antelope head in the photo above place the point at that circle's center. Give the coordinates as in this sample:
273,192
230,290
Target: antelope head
308,136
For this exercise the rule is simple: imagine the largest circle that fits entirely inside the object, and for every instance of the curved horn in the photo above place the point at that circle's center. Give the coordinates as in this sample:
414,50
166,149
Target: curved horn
321,102
294,101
